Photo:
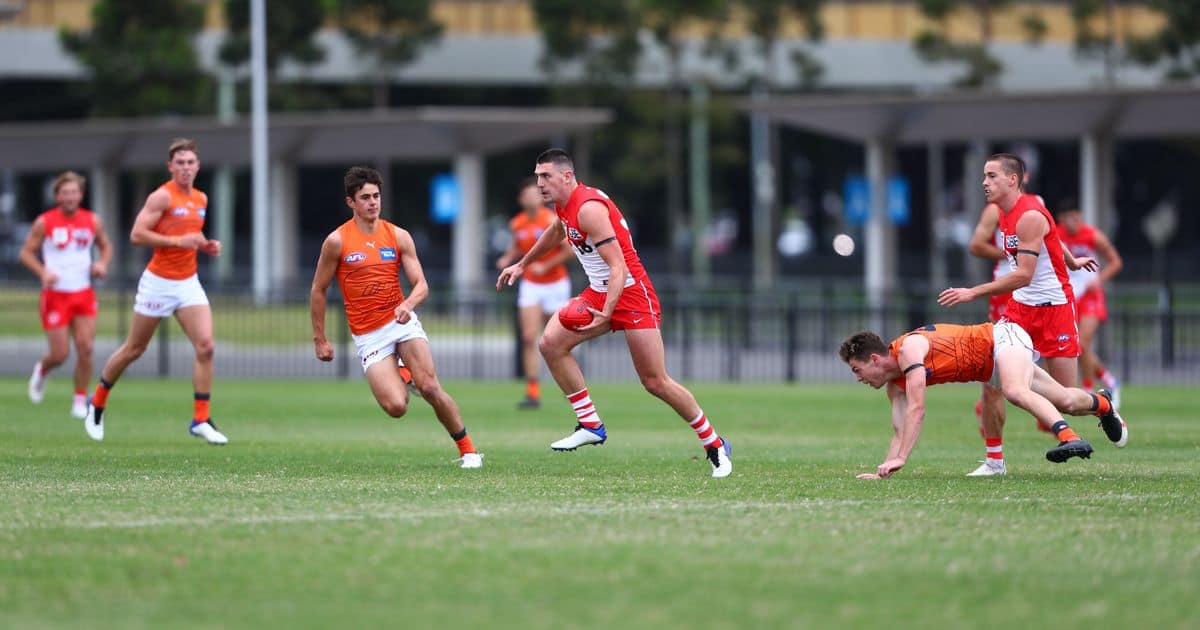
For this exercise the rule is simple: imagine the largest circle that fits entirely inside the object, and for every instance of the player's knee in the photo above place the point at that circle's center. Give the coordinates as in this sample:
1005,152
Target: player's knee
1015,394
529,338
395,407
430,389
84,349
547,347
55,358
205,348
657,385
135,350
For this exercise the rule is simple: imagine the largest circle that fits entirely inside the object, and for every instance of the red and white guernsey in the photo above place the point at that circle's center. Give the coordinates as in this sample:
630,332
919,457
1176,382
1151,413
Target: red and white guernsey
67,248
1050,283
585,249
1081,243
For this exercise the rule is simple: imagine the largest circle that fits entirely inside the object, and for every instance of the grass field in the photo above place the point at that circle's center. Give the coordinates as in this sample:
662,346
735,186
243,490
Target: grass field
321,512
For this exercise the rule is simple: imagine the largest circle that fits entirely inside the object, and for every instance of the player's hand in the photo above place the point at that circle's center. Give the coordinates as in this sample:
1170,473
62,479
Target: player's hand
99,270
953,296
1086,263
509,275
324,349
211,247
868,476
599,318
403,314
191,240
49,278
890,466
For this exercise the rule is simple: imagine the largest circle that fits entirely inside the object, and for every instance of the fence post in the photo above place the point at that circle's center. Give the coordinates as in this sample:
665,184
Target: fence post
1166,307
518,354
730,335
1126,372
790,323
343,353
684,308
164,347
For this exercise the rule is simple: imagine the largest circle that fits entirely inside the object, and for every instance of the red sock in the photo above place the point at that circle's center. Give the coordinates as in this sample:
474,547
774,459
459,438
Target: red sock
81,392
200,407
585,411
708,436
463,442
100,398
533,391
994,448
1088,384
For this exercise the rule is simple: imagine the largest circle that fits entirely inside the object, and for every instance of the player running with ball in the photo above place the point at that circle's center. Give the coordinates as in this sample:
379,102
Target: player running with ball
619,297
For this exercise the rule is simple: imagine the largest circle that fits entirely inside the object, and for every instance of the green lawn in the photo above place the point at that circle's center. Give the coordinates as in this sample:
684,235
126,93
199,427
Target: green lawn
323,513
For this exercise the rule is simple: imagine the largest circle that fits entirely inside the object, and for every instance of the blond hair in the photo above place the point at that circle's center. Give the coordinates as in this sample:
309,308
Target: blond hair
67,177
181,144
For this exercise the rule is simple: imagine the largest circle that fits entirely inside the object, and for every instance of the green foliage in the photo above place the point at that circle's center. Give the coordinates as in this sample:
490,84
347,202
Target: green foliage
981,68
389,32
141,58
290,29
1177,43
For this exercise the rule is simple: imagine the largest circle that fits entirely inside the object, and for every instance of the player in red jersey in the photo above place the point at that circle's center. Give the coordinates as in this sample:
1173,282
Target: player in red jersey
1042,302
366,254
544,288
171,222
986,243
65,235
620,297
1084,240
946,353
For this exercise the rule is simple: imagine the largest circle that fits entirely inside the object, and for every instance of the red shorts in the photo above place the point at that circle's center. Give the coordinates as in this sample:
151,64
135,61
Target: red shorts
58,308
1052,328
996,306
637,307
1092,304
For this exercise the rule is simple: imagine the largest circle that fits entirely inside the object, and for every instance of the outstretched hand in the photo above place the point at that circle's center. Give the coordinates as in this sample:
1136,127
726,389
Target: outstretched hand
954,297
509,275
1086,263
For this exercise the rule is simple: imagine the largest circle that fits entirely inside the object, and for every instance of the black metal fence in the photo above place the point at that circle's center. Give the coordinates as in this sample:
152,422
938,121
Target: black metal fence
788,336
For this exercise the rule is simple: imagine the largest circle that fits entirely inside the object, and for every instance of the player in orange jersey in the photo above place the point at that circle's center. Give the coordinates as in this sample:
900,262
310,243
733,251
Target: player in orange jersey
171,221
545,286
65,235
1001,354
366,254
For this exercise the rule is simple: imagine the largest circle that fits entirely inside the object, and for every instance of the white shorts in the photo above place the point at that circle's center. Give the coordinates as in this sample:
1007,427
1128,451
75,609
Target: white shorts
549,295
380,343
1007,335
160,297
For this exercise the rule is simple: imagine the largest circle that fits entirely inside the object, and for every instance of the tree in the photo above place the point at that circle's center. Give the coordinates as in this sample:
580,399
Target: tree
389,32
1177,43
290,29
141,57
982,68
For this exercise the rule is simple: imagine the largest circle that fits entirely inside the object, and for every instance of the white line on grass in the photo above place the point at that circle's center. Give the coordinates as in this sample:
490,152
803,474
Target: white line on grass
541,509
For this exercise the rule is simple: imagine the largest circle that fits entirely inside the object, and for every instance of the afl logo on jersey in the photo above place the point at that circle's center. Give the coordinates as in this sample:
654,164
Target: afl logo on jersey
355,257
179,212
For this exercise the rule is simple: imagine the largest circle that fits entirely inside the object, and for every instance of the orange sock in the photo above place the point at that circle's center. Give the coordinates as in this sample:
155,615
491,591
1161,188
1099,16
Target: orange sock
1100,405
533,391
1064,432
463,441
100,398
406,374
200,407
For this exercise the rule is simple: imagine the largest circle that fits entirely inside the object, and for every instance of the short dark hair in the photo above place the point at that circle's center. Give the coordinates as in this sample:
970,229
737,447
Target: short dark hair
181,144
1011,164
526,182
359,176
861,345
557,157
1067,204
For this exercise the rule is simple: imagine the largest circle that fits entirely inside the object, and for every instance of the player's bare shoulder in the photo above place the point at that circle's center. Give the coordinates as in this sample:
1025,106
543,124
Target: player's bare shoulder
332,244
404,240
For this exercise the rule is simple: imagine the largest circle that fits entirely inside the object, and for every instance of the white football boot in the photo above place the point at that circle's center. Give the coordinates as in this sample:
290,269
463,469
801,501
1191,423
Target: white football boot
79,408
471,460
93,421
719,458
581,437
37,384
209,432
989,468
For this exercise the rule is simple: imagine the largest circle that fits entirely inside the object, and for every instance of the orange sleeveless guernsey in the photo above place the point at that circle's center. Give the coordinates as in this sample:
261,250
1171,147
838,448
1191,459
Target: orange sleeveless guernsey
526,232
957,354
185,215
368,274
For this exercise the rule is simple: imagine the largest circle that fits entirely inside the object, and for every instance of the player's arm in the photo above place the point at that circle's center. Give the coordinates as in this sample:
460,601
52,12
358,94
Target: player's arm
1075,264
912,361
1112,258
411,265
983,240
29,256
331,249
561,256
594,220
1031,230
104,245
549,239
143,233
899,403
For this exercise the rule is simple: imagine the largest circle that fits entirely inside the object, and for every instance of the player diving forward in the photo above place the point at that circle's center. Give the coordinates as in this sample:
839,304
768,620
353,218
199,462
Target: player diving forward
1001,353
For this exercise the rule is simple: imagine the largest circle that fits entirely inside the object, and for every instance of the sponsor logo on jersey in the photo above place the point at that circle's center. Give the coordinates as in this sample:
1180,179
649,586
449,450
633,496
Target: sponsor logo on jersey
574,234
60,236
354,257
387,253
202,212
1011,241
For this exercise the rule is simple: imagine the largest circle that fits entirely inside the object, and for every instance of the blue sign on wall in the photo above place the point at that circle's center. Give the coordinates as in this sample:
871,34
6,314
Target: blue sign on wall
445,198
856,200
897,200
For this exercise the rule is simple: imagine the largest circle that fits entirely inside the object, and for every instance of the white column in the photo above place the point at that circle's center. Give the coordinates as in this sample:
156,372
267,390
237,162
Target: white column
259,147
103,186
285,219
762,173
222,199
973,202
1095,179
468,227
937,216
879,270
